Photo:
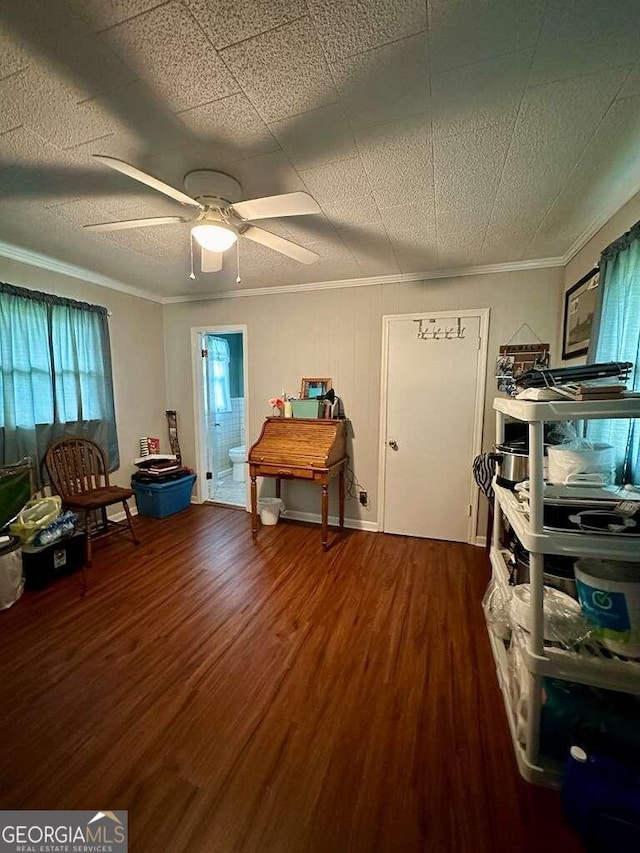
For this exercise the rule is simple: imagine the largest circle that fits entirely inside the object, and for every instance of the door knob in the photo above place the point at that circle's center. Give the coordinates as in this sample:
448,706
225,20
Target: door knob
393,445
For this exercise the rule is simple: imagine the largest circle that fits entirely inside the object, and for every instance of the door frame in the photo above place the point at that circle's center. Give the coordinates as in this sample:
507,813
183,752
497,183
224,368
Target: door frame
483,345
198,409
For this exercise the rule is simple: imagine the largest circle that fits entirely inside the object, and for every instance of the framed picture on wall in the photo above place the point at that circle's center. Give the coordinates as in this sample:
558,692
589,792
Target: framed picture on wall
579,311
313,387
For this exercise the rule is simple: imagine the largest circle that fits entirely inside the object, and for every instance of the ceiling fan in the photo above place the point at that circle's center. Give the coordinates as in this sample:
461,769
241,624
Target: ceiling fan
219,216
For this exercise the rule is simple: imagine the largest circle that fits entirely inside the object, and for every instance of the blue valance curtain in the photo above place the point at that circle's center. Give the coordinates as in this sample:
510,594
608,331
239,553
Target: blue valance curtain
55,374
616,337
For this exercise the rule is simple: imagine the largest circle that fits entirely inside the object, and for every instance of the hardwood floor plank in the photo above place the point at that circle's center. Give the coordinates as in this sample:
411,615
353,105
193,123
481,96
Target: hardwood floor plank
267,696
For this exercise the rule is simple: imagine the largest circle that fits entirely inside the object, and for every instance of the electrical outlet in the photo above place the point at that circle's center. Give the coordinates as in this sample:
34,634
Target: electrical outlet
363,498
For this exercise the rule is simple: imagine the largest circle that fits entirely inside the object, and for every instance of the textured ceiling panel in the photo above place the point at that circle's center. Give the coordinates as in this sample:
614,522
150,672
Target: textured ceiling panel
384,84
101,14
229,21
467,31
347,28
186,71
584,36
467,171
336,181
316,137
231,128
398,162
589,190
483,93
283,72
554,126
485,131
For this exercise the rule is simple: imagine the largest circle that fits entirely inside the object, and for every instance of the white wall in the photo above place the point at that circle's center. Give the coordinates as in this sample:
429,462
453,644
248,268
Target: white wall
337,333
136,334
589,256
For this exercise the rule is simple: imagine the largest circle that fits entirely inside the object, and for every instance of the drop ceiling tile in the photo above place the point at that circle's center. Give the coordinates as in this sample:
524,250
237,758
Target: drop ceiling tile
100,14
54,113
62,45
186,71
345,179
462,32
398,160
317,137
355,212
553,128
267,174
631,86
283,72
467,169
460,248
13,54
607,169
229,21
230,127
371,248
384,84
483,93
585,36
410,225
348,28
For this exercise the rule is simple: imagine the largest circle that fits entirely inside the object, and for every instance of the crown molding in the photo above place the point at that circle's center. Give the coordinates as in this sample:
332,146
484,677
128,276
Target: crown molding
45,262
400,278
593,229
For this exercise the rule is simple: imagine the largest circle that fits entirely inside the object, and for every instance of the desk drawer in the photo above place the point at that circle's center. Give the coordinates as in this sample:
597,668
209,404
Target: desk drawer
262,470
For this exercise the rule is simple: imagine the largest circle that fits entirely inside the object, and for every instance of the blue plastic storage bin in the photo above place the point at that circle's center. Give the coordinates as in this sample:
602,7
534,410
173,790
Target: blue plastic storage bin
158,500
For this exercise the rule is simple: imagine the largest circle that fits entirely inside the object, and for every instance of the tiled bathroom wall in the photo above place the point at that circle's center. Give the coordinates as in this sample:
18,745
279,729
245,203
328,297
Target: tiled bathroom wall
228,432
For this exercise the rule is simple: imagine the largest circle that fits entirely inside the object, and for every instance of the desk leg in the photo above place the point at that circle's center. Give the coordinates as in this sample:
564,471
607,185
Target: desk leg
341,490
254,508
325,516
278,487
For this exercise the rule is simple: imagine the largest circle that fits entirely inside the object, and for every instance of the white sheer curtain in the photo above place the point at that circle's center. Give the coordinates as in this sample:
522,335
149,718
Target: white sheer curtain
219,357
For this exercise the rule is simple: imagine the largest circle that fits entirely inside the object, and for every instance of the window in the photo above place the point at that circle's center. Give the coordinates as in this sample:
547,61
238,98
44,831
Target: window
55,374
617,338
219,360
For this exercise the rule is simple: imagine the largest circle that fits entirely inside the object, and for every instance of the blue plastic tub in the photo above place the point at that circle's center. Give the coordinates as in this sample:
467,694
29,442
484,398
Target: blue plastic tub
158,500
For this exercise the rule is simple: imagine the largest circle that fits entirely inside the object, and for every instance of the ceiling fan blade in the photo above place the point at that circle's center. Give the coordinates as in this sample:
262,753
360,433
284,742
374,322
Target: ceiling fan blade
134,223
285,247
149,180
289,204
210,261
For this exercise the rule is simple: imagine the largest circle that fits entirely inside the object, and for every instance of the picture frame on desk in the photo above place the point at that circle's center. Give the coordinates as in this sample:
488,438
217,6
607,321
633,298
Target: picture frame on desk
314,387
579,311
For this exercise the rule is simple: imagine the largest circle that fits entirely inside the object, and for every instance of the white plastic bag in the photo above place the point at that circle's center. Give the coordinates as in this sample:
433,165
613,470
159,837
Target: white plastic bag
581,462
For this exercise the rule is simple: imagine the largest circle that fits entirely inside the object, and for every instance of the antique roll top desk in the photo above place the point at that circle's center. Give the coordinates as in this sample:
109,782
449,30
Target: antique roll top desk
300,449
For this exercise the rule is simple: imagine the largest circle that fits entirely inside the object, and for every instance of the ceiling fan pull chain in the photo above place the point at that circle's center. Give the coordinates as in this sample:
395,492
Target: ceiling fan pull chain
192,274
238,279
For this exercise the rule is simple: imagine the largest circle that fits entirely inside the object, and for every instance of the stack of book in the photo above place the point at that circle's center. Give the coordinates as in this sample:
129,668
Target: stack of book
594,391
157,466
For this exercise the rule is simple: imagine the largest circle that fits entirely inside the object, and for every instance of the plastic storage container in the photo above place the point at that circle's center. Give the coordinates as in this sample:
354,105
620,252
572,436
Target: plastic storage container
43,565
158,500
609,591
11,581
306,408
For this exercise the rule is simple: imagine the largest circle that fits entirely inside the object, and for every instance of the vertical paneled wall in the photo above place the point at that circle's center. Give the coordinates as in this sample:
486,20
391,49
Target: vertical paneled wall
338,333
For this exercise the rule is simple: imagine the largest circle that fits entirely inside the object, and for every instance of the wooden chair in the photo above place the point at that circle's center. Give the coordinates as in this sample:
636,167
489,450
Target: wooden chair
78,471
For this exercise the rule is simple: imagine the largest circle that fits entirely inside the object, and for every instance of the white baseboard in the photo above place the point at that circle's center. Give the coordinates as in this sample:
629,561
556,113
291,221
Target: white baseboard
120,516
352,523
481,541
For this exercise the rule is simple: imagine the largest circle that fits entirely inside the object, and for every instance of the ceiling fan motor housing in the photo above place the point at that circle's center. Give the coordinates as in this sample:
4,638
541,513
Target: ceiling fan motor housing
212,188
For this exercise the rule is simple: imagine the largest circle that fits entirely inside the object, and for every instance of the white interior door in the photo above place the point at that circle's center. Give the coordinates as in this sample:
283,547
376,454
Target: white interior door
432,423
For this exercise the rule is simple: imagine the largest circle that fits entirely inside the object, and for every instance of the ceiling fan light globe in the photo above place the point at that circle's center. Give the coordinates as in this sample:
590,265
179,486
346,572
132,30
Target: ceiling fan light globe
214,238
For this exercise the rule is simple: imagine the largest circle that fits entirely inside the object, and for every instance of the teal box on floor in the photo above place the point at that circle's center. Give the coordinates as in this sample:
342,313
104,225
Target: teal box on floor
158,500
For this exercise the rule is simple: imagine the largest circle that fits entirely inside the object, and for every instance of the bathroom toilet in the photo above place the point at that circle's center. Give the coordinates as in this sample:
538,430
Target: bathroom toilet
238,456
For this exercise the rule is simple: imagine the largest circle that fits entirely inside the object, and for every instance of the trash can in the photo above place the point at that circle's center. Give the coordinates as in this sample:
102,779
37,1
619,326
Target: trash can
11,581
270,509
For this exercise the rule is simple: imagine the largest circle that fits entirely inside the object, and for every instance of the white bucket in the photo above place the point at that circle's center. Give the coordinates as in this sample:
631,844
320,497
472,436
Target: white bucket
593,464
269,509
609,592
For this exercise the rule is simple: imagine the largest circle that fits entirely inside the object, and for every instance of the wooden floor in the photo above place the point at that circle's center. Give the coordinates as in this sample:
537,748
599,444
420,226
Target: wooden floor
268,697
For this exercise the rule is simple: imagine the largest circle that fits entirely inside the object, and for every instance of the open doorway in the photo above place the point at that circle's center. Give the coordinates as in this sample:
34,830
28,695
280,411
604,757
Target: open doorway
221,414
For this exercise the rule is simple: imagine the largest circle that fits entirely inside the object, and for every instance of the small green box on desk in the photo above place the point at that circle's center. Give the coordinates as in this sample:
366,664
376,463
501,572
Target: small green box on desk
306,408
